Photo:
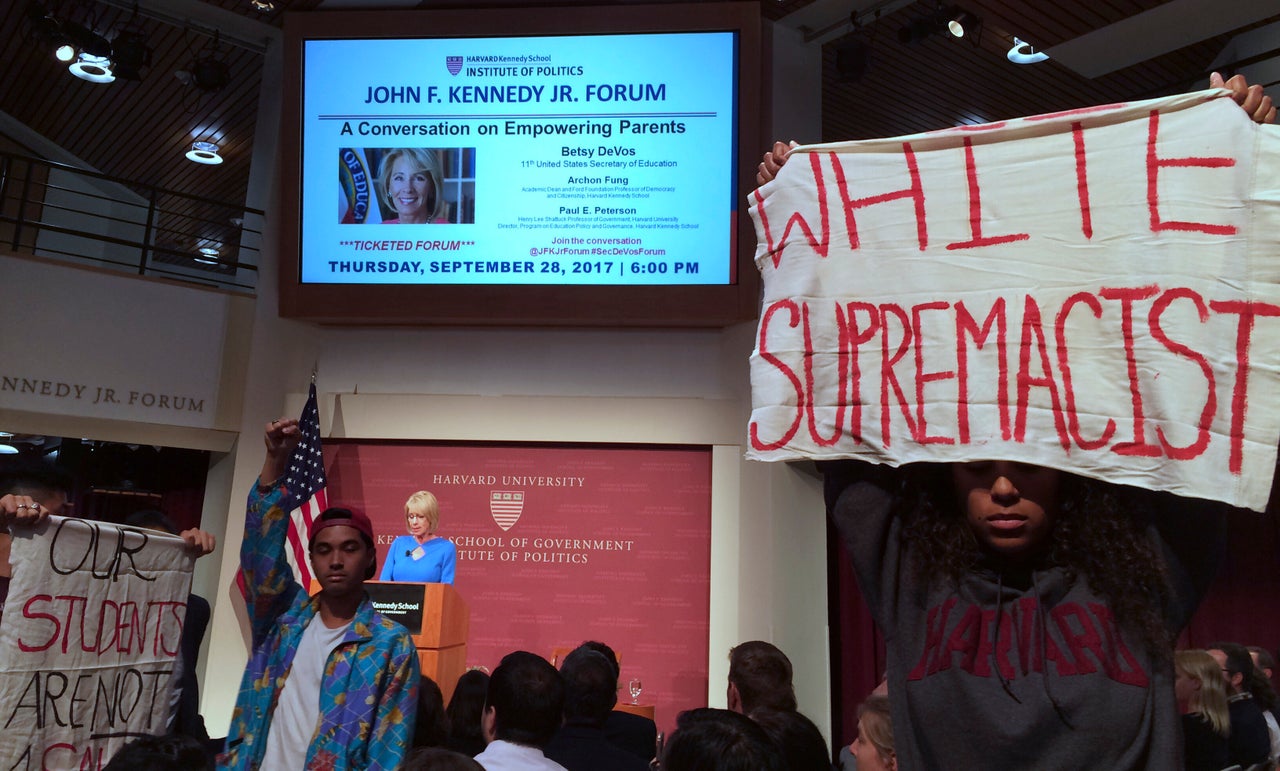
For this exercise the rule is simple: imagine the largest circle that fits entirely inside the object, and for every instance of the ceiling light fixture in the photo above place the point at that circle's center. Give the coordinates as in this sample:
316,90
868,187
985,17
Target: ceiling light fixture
916,31
1023,53
130,53
943,19
961,21
262,6
95,69
208,251
207,72
86,40
43,27
204,152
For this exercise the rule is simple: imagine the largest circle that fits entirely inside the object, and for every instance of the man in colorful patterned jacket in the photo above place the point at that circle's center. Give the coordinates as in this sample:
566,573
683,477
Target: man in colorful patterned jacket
331,684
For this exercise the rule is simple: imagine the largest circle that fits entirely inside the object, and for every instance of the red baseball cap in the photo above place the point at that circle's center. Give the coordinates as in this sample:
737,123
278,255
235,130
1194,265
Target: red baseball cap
337,516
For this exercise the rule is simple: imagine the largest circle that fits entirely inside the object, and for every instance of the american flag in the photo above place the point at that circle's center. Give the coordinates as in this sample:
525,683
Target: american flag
304,478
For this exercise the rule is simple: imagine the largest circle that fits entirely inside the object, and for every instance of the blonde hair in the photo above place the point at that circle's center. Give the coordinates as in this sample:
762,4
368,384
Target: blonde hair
426,504
1211,703
876,726
423,160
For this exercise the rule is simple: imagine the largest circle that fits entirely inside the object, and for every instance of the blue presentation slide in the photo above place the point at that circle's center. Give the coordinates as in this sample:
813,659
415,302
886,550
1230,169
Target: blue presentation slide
590,159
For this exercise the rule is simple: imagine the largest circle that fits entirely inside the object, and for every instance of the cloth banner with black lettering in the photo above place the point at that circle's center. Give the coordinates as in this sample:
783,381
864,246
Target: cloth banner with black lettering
1095,290
88,641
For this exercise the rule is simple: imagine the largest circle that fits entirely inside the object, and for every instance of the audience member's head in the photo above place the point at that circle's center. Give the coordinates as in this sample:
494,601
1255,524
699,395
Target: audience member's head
1236,665
50,486
161,753
437,759
151,519
1258,682
1201,688
466,707
709,739
759,676
1263,661
802,745
873,748
608,653
590,687
432,728
525,700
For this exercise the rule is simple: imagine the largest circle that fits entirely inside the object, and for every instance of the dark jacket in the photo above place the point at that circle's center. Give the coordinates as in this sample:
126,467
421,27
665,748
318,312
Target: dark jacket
583,748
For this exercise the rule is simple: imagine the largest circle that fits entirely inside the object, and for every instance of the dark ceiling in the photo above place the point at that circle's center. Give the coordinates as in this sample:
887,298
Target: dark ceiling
140,129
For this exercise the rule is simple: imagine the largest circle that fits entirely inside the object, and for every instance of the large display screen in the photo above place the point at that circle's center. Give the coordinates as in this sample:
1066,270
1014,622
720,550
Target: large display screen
580,159
578,165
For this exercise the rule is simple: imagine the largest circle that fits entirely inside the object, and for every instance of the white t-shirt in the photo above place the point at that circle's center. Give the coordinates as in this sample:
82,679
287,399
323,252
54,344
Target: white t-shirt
293,724
1273,729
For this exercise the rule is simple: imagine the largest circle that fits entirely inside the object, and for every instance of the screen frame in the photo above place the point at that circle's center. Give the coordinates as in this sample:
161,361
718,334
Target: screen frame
508,304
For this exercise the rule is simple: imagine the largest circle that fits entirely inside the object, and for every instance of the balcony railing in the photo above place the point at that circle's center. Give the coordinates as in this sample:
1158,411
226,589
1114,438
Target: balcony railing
53,210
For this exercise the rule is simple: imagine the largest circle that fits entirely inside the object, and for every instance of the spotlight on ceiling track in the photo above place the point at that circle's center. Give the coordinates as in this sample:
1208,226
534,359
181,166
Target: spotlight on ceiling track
130,53
916,31
262,6
43,28
960,22
208,72
86,40
204,152
944,19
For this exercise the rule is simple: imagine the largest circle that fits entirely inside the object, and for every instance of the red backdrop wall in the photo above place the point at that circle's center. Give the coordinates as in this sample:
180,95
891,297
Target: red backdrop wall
611,543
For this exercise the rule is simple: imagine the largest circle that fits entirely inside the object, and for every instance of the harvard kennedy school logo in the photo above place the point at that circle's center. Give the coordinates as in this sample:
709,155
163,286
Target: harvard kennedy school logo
454,63
505,507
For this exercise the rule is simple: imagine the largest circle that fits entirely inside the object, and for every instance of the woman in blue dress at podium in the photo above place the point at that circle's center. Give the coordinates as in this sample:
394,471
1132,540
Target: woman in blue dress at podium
421,556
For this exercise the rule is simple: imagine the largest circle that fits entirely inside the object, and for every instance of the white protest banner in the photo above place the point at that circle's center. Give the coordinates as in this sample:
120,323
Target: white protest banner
91,628
1095,290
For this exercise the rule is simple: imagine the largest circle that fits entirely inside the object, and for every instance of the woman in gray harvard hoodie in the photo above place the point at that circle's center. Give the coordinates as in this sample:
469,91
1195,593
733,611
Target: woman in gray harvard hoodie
1028,613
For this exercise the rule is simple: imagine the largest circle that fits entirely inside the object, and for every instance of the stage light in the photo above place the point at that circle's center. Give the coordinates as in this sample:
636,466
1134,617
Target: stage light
262,6
961,21
209,74
130,54
86,40
65,52
204,152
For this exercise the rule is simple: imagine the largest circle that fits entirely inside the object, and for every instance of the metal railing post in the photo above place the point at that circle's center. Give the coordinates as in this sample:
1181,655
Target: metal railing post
146,233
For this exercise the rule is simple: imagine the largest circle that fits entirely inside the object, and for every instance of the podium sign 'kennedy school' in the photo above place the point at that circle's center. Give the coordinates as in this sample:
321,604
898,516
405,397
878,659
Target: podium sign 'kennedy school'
1093,290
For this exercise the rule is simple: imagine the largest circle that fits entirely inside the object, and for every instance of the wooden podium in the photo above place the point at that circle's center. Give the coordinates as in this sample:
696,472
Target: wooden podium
439,620
436,616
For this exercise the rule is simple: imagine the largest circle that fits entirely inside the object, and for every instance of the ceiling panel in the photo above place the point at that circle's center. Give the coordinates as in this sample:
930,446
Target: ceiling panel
140,130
